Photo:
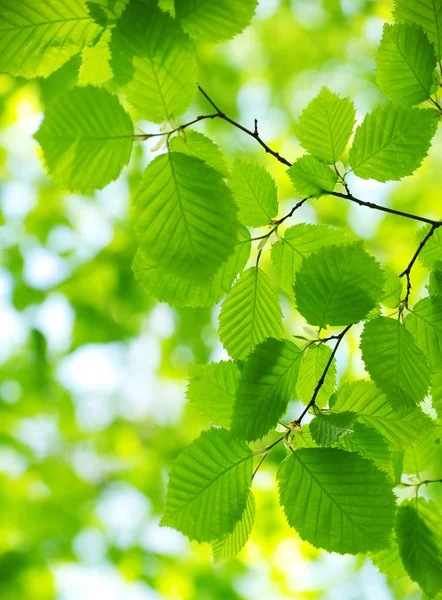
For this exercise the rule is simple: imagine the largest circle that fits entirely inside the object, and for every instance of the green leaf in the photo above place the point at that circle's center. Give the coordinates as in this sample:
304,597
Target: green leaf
154,61
303,438
212,390
393,289
425,323
370,444
266,386
329,427
255,193
249,314
86,138
374,410
235,541
314,361
182,289
392,142
38,37
396,364
425,13
425,454
300,241
326,125
436,393
389,562
311,177
431,253
199,145
95,68
418,528
214,21
405,64
338,285
318,488
208,487
435,283
184,215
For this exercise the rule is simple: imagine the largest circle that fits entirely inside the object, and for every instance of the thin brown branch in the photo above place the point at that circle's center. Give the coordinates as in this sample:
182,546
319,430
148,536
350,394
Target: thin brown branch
254,134
320,383
417,485
391,211
421,246
267,451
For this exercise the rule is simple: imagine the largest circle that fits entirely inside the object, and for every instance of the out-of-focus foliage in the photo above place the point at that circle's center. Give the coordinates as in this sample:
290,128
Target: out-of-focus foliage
93,369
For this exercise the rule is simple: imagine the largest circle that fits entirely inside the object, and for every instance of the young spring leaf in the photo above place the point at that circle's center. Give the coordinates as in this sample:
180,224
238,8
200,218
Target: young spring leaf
314,361
249,314
338,285
425,323
214,21
86,138
418,530
209,485
297,242
435,283
425,454
318,487
38,37
396,364
212,390
199,145
266,386
328,427
229,546
184,215
95,62
326,125
311,177
393,289
405,64
183,289
370,444
374,410
425,13
255,193
392,142
389,562
154,61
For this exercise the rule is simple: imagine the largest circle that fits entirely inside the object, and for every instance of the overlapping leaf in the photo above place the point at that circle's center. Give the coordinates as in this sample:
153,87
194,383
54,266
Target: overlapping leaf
255,193
154,61
338,285
184,215
38,37
311,177
249,314
370,444
214,21
266,386
432,251
300,241
212,390
95,66
318,487
405,64
396,364
86,138
183,289
235,541
418,528
425,324
326,125
374,410
425,13
392,142
329,427
199,145
209,486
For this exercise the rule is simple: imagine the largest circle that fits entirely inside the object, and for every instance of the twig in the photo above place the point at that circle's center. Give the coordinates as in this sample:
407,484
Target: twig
407,271
324,375
417,485
267,451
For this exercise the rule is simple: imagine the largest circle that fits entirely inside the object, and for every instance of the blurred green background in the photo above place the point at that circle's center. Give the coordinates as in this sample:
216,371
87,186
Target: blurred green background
93,370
